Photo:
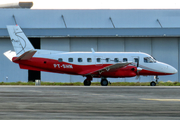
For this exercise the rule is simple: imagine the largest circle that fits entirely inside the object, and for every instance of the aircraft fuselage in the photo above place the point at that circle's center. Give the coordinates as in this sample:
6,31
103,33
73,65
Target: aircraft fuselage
77,62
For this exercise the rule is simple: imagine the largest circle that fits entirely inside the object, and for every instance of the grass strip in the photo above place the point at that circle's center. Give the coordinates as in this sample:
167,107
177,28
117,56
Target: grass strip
92,84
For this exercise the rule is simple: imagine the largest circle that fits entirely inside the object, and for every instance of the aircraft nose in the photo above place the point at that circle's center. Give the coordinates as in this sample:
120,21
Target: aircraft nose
172,70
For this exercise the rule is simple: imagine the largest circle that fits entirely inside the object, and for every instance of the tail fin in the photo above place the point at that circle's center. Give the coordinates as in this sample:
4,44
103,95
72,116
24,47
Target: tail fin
19,40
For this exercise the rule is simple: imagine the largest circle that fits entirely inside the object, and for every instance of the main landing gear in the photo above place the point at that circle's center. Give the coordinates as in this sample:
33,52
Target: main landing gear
104,81
87,81
154,83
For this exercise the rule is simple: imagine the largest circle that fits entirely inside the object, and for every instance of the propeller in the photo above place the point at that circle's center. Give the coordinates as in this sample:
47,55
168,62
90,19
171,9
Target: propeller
138,69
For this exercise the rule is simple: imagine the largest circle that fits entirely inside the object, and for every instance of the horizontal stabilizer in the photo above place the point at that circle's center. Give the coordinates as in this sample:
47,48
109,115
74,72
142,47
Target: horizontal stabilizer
26,56
10,54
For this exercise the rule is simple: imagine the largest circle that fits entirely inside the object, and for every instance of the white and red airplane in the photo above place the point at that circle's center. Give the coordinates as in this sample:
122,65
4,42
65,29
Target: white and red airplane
88,64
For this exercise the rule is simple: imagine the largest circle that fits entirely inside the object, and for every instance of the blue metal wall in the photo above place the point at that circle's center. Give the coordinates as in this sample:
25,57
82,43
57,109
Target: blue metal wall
28,18
135,30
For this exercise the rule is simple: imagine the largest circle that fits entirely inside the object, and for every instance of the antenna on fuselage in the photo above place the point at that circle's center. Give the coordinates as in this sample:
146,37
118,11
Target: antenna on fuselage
92,50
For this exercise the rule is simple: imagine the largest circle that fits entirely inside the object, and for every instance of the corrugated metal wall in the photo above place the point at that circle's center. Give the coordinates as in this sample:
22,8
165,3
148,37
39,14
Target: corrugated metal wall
122,18
7,68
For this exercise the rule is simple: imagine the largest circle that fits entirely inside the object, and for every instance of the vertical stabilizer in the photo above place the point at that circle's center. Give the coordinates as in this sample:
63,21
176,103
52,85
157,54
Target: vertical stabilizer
19,40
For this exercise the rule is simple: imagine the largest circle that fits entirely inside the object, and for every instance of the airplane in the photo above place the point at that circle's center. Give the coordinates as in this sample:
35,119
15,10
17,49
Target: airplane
87,64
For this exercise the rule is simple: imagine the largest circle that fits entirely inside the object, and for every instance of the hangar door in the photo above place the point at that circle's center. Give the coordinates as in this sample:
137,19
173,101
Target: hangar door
34,75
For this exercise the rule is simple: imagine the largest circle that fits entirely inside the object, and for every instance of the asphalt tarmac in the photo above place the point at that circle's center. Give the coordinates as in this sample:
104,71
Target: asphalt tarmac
90,102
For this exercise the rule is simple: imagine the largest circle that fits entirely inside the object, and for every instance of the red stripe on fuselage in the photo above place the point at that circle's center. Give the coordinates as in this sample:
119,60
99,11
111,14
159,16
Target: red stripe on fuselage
51,65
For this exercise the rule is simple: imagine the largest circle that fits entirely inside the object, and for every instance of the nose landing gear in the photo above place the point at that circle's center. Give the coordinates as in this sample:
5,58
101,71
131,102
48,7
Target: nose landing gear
154,83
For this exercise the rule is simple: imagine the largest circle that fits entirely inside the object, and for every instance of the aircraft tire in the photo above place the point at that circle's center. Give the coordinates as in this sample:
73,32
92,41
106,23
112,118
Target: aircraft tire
87,82
153,83
104,82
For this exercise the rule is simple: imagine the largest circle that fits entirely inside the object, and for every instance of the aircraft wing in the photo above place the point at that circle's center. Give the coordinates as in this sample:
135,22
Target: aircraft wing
105,69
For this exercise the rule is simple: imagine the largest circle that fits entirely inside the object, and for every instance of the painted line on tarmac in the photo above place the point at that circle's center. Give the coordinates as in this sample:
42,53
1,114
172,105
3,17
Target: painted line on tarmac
171,100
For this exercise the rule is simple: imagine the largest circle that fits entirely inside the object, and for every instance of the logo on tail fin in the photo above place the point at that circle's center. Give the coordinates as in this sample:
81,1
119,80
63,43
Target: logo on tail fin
19,40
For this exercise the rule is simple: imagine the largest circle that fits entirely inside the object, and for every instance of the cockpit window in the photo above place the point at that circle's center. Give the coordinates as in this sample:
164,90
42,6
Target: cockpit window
149,60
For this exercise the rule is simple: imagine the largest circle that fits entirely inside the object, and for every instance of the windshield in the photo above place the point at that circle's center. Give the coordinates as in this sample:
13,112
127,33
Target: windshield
149,60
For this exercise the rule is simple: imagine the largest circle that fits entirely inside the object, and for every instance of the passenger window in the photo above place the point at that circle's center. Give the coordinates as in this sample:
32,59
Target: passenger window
125,60
70,59
60,60
116,60
98,59
89,60
80,60
136,60
107,59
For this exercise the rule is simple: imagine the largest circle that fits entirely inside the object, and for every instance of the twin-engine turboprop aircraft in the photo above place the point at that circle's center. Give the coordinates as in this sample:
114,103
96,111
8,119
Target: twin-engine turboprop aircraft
88,64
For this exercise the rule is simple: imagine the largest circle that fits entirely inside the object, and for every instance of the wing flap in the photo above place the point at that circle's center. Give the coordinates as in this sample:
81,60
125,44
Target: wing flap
105,69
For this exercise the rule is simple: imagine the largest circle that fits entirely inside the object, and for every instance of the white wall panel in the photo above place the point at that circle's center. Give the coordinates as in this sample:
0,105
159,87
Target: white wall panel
58,44
136,45
8,68
83,44
166,50
110,44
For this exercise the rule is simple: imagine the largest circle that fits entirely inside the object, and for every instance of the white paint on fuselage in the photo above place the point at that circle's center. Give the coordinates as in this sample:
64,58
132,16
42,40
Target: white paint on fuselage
155,66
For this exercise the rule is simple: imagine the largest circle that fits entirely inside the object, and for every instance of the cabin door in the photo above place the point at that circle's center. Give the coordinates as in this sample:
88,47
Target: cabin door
135,60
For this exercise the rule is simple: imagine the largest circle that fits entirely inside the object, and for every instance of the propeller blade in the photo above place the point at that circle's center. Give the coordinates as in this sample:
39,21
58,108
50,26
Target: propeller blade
137,77
138,62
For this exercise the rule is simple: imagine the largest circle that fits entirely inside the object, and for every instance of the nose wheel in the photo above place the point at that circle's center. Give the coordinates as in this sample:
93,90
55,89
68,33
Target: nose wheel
154,83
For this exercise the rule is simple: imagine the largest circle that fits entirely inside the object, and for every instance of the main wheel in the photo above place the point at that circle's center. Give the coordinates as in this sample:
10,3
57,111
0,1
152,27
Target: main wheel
104,82
87,82
153,83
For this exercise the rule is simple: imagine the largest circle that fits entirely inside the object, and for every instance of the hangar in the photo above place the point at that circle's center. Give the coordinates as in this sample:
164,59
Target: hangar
156,32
